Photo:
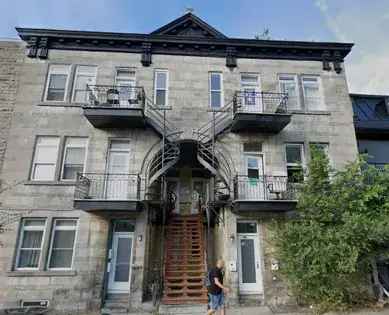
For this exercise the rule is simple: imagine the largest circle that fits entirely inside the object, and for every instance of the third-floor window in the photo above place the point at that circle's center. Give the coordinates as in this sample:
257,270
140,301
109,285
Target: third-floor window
161,83
289,86
85,75
312,93
215,90
57,83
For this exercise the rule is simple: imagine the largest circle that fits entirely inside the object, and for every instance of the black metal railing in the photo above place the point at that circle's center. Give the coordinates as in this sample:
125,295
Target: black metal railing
260,102
115,96
106,186
264,188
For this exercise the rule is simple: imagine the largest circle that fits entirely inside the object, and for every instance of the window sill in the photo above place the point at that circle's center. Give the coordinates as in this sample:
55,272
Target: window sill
60,104
316,112
48,273
49,183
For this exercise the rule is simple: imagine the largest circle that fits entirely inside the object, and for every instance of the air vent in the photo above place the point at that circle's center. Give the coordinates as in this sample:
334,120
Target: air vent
35,303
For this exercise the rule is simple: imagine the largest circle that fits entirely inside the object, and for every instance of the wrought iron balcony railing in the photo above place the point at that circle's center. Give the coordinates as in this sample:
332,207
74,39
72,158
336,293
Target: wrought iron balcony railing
105,186
260,102
264,188
115,96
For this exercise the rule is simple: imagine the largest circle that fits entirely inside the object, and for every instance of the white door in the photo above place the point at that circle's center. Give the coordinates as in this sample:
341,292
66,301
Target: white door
251,93
118,164
125,81
173,186
120,265
255,183
250,275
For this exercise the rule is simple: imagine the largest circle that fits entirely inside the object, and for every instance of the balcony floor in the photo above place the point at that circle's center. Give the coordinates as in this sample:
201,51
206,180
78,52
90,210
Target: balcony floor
104,117
260,122
264,206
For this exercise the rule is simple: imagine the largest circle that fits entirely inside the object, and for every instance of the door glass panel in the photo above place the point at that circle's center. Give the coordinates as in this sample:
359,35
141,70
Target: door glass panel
124,226
247,227
248,261
123,257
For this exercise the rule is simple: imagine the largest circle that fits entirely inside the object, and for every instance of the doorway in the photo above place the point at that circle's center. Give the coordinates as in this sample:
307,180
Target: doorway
255,183
120,257
249,260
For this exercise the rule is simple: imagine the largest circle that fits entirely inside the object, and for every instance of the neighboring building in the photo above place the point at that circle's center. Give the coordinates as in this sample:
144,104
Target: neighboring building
371,119
11,56
116,134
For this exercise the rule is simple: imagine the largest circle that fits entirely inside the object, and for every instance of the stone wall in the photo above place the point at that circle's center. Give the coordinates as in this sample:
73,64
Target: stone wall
11,56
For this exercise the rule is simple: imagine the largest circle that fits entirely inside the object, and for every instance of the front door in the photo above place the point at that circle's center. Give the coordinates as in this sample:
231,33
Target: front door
255,182
120,256
250,275
118,164
199,197
173,186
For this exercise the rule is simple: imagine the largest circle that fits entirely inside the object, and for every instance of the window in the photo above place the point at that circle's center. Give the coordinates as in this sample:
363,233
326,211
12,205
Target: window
62,244
85,75
45,158
294,162
247,227
289,86
30,243
74,157
125,81
161,87
215,90
57,83
312,93
250,87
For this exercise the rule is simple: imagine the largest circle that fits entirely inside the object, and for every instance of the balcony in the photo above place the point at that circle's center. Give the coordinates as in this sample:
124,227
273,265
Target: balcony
266,194
260,112
114,106
108,192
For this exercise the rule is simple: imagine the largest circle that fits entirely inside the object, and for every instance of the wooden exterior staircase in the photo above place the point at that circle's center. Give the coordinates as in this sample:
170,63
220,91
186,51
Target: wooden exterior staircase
185,266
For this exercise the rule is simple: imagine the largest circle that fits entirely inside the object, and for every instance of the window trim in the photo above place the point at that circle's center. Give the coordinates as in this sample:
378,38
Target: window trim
74,78
211,90
320,92
301,145
297,88
49,72
21,238
53,229
65,146
33,160
166,71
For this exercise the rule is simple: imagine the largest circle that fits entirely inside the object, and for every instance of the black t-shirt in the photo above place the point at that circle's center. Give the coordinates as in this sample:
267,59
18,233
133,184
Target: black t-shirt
215,273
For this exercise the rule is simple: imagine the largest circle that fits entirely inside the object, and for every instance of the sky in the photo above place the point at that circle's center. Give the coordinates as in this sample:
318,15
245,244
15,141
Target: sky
363,22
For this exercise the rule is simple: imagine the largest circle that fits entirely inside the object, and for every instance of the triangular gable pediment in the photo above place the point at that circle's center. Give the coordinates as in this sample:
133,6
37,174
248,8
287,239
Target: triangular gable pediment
189,25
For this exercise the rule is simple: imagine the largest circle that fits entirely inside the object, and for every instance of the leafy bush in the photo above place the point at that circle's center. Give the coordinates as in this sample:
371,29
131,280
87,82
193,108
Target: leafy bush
342,225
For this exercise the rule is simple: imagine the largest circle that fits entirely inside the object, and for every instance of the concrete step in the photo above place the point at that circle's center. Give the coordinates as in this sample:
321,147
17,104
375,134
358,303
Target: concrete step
183,309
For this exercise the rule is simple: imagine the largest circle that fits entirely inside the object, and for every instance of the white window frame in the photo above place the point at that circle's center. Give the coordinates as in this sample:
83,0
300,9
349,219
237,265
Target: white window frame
129,78
156,71
76,74
23,228
52,70
211,90
66,145
320,92
34,161
296,86
63,228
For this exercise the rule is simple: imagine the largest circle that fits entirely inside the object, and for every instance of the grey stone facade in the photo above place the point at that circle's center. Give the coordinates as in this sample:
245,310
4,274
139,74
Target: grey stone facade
81,289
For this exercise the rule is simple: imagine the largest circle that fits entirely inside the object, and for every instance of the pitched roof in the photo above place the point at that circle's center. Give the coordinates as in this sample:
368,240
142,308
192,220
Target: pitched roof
189,25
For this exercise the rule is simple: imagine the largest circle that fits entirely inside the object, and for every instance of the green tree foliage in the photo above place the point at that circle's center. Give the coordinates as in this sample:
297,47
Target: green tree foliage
342,225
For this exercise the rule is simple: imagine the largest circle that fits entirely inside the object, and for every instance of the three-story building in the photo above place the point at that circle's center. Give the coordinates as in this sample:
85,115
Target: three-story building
145,157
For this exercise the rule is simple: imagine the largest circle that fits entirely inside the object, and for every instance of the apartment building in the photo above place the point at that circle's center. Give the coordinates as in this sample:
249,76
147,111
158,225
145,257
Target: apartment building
145,157
371,119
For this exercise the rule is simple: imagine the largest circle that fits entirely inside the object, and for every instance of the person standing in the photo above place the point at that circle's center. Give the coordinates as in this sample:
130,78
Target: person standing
216,289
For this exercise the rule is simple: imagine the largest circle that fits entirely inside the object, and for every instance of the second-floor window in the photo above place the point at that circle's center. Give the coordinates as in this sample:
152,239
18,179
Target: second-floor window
289,86
74,157
215,90
45,158
161,82
57,83
295,162
312,93
85,75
